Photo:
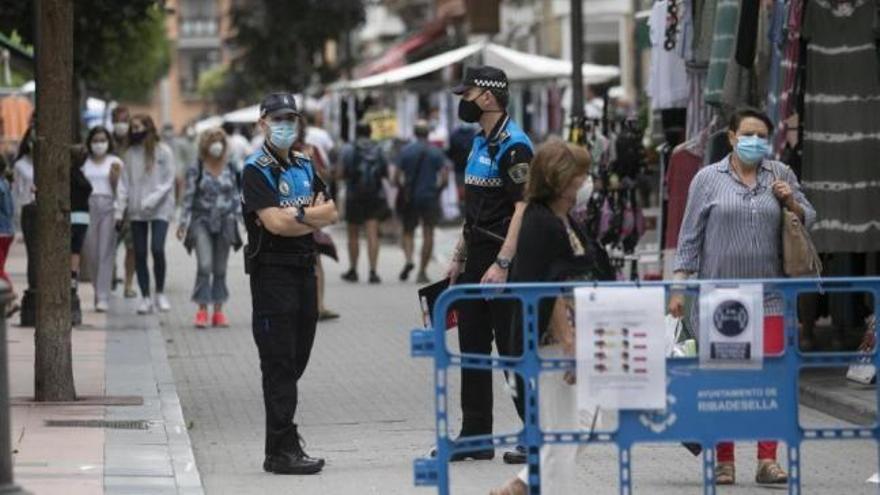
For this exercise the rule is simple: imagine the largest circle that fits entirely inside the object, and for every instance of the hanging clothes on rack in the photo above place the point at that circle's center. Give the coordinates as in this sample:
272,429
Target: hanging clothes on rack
841,126
667,82
723,42
790,67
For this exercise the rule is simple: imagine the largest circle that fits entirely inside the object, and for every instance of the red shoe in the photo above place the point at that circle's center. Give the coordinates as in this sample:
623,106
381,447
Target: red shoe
219,320
201,319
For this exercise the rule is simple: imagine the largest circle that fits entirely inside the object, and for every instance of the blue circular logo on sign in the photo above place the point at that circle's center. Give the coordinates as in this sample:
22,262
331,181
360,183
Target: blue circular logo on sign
731,318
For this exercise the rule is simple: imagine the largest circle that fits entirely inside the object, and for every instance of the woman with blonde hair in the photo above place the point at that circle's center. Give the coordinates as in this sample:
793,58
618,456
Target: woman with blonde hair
209,217
146,191
553,247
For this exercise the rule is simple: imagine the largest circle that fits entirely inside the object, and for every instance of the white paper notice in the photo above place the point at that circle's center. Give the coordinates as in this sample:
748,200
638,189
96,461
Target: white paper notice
620,349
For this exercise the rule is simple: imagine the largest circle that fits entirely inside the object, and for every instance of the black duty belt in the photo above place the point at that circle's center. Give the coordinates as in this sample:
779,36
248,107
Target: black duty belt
287,259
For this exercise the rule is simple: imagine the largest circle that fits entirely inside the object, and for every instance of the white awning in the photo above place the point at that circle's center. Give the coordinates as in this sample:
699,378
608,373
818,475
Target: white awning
411,71
519,66
246,115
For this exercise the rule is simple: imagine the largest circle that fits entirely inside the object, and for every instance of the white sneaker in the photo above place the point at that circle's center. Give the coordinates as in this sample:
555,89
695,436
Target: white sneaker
146,306
162,302
102,306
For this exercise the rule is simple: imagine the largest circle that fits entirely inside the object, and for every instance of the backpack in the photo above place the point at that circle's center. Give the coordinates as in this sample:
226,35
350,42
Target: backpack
365,173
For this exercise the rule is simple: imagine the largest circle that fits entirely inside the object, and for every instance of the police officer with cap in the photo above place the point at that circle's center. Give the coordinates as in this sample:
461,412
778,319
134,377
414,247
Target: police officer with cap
495,176
284,203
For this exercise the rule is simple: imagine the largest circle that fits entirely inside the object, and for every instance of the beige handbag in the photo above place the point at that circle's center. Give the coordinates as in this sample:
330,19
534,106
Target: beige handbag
799,255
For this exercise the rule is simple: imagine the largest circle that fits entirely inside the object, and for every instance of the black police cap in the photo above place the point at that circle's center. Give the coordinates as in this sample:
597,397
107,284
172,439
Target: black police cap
485,76
275,104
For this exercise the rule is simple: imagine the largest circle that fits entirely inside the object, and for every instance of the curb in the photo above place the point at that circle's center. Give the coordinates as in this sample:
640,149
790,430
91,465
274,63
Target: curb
823,399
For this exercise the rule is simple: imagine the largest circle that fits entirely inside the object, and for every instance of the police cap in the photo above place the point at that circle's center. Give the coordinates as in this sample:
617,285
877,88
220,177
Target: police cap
485,76
276,104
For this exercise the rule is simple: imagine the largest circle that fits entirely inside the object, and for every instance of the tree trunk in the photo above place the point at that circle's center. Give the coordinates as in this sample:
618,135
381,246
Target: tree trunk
53,367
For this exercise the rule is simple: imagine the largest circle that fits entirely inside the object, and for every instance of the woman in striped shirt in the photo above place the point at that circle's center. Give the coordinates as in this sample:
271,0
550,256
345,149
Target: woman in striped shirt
732,229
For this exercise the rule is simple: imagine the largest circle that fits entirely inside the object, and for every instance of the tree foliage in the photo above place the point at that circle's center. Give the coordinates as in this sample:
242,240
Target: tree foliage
120,48
278,44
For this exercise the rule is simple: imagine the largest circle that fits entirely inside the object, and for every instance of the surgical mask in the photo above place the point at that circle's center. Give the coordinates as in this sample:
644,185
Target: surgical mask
216,149
138,137
584,193
120,128
752,149
99,148
282,134
469,111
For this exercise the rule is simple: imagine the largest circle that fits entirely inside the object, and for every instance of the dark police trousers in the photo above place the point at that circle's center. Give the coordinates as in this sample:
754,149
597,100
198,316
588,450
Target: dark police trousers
478,322
285,314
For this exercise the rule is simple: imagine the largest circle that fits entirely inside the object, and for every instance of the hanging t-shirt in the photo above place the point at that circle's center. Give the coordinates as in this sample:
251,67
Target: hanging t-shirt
683,166
667,83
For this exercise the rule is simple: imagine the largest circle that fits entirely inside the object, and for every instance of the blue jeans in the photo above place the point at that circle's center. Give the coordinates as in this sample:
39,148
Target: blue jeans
212,253
139,233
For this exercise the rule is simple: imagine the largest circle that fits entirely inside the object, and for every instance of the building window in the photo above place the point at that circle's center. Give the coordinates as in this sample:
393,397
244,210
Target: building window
192,63
198,19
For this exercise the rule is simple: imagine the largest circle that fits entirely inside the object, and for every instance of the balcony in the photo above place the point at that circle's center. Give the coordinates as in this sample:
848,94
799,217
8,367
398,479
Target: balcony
198,32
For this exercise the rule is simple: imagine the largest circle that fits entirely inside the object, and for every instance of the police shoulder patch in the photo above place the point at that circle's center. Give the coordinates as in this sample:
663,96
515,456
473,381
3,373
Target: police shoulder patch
519,172
264,160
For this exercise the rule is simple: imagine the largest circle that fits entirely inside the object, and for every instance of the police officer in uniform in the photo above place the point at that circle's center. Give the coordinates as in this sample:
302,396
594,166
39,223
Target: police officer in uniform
284,203
495,176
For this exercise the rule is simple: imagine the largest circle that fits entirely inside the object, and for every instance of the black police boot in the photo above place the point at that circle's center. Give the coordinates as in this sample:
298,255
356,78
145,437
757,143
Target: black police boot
517,456
292,459
477,455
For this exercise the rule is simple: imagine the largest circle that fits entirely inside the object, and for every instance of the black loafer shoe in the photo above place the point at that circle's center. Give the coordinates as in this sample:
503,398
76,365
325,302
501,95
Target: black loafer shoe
517,456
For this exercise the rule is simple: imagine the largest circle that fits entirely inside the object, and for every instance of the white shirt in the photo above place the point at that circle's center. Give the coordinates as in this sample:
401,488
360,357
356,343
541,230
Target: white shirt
99,175
667,83
320,139
23,181
239,149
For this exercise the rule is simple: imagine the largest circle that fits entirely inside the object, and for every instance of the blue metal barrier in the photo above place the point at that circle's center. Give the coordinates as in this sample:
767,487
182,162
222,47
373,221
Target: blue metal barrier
764,401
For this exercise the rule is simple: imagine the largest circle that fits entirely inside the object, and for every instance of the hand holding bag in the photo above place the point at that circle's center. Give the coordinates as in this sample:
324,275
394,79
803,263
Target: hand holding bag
799,255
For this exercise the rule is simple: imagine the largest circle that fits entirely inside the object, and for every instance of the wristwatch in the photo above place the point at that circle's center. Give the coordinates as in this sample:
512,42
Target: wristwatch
503,263
301,215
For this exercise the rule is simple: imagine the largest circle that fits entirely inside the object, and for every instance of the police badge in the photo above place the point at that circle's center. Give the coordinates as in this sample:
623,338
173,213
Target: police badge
284,188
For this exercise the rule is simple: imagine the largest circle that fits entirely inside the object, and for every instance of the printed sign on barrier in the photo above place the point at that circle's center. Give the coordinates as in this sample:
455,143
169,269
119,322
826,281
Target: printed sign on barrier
731,326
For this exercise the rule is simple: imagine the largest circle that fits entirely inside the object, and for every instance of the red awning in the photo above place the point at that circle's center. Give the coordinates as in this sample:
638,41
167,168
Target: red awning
396,55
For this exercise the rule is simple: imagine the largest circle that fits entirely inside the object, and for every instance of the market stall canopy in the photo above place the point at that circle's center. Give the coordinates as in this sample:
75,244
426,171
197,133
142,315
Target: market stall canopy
247,115
519,66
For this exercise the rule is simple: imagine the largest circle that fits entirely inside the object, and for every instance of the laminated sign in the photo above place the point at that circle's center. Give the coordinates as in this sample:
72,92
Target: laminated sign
621,360
732,326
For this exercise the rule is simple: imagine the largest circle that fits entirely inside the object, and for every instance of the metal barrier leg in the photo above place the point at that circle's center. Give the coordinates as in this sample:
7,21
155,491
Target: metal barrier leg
708,470
625,455
794,469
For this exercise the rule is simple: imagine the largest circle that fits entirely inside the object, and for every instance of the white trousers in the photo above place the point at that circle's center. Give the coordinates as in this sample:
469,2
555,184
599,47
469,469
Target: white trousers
558,412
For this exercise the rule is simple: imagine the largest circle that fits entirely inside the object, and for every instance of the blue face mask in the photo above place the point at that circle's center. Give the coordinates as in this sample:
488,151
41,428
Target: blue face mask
752,149
282,134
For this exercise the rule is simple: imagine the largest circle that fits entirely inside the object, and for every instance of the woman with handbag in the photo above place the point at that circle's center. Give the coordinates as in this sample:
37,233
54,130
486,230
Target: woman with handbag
554,247
209,218
733,229
102,169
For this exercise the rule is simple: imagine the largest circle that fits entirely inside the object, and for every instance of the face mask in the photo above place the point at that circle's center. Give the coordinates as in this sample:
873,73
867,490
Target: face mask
120,128
99,148
752,149
584,193
138,137
216,149
469,111
282,134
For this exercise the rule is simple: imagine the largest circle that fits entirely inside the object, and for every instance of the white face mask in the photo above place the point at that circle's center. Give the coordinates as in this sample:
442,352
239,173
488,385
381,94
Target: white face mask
120,128
584,193
99,148
216,149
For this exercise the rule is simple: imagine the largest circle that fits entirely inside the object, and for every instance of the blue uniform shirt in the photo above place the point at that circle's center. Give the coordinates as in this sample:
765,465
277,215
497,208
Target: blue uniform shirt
267,182
496,172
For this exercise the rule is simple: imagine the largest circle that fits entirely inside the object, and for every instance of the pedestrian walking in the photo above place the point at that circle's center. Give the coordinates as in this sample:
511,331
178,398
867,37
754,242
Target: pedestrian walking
421,174
494,179
120,117
284,204
24,197
554,247
7,222
103,170
80,191
146,192
732,229
209,218
324,242
364,169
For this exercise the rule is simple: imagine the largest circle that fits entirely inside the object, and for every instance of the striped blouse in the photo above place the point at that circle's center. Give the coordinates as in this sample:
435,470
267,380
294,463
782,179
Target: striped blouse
731,230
